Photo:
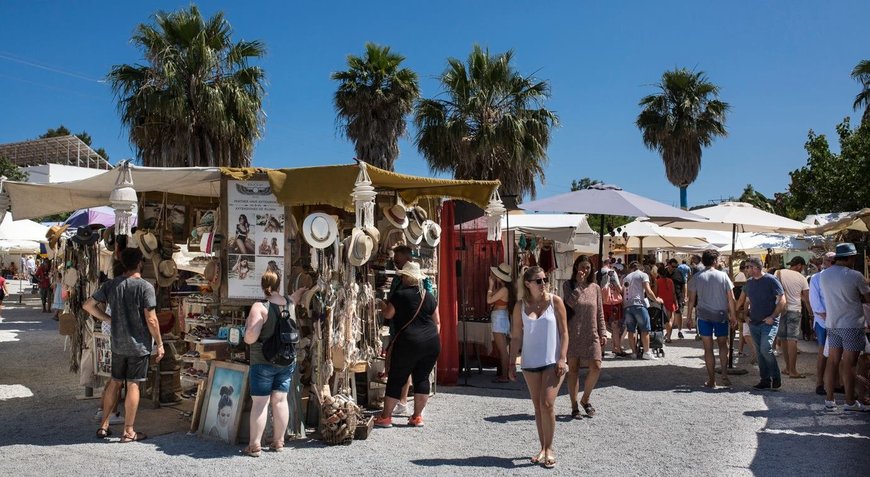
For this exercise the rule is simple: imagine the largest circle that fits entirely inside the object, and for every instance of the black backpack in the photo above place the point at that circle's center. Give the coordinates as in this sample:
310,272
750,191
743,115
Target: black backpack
280,347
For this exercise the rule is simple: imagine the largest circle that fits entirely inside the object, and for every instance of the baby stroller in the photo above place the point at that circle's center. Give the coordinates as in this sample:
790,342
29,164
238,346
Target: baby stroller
657,331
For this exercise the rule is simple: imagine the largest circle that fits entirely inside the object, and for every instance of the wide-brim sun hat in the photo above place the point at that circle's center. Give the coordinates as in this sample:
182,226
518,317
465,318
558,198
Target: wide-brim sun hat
412,269
55,232
502,271
320,230
359,248
109,238
85,236
166,272
396,215
846,249
413,237
148,243
432,233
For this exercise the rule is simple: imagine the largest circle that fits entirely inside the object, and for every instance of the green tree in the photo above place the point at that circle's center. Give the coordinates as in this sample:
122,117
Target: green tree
491,123
373,99
197,101
861,74
755,198
831,182
684,117
583,183
11,170
83,136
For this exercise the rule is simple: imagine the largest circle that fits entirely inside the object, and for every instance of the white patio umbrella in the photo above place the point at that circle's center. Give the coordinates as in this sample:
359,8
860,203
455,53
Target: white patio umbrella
607,199
739,217
641,233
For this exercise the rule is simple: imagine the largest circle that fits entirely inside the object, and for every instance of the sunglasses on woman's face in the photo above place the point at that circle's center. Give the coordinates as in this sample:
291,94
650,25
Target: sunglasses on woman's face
540,281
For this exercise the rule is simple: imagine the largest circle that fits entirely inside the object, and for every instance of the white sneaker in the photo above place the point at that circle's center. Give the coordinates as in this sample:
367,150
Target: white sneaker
401,409
648,356
857,406
830,406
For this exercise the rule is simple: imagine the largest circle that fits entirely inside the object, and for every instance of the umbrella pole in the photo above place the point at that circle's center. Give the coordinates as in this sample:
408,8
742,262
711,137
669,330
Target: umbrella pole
600,243
731,333
641,250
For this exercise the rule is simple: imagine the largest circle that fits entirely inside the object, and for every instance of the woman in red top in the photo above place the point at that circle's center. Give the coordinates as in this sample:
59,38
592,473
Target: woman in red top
666,291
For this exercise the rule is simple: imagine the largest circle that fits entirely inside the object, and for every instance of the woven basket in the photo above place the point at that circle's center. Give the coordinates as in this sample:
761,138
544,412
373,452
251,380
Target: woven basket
338,431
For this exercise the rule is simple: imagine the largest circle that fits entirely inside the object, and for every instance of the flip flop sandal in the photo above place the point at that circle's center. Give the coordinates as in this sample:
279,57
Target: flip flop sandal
538,458
103,433
139,436
575,413
549,462
590,411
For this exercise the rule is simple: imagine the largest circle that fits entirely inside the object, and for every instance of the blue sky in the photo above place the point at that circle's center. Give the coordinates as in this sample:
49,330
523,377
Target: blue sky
783,66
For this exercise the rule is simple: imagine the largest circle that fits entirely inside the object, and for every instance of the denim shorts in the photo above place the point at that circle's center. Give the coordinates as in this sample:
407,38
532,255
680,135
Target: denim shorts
268,378
637,318
821,334
501,322
790,326
708,328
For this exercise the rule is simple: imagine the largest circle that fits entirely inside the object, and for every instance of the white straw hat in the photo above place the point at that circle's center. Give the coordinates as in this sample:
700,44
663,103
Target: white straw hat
320,230
432,233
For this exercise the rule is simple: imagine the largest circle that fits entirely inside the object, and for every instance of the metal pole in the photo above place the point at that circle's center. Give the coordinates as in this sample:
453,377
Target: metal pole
731,332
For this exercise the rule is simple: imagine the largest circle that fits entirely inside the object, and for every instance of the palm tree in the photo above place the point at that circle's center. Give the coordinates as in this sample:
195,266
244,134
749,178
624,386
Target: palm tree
491,125
374,96
197,101
685,116
861,74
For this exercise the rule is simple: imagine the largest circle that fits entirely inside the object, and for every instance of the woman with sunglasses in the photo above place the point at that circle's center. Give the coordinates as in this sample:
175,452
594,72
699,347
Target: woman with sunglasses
539,328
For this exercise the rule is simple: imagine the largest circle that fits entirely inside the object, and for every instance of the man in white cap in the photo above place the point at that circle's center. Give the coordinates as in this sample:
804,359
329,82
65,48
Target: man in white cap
843,289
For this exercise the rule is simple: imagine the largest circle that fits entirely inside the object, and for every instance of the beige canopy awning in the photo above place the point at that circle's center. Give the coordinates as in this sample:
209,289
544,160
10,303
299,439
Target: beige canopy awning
37,200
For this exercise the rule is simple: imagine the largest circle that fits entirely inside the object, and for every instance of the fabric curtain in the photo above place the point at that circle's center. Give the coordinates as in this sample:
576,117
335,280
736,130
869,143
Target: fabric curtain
448,361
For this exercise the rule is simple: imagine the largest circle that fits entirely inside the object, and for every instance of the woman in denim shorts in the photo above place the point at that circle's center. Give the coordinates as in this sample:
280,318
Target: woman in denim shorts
269,382
501,295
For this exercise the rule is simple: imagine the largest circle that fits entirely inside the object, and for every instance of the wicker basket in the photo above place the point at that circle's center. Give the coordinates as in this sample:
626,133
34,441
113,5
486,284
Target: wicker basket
338,420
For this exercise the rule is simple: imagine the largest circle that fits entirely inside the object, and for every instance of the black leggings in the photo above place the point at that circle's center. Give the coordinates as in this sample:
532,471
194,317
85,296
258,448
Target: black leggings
415,360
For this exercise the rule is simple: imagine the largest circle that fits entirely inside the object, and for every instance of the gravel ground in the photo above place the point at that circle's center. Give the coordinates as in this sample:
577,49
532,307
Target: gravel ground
654,418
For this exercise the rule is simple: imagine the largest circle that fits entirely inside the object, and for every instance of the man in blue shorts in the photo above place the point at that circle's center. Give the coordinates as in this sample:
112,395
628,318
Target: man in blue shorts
637,288
843,289
766,300
715,311
817,301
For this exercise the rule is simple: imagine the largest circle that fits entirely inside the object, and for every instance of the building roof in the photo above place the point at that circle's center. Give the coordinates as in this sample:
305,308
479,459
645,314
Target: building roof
67,150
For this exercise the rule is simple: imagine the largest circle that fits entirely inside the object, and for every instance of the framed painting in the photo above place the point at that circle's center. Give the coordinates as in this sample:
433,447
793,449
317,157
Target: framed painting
223,401
102,355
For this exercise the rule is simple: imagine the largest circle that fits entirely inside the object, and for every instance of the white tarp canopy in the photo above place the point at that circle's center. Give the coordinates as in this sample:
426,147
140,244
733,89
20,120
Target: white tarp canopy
753,243
559,227
14,247
647,235
37,200
22,230
839,221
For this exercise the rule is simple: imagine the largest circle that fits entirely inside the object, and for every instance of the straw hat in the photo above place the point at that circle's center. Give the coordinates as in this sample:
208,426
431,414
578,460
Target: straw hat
109,238
396,215
359,247
147,241
54,233
414,232
166,272
85,236
412,269
502,271
432,233
308,296
320,230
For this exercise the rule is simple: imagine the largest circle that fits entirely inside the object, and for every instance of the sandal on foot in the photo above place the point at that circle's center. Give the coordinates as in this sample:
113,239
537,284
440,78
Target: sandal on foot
724,380
252,451
276,447
549,462
590,411
103,433
139,436
575,413
538,458
797,376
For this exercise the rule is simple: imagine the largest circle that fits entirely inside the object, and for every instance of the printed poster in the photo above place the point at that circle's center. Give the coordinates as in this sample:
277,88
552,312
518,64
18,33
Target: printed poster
255,231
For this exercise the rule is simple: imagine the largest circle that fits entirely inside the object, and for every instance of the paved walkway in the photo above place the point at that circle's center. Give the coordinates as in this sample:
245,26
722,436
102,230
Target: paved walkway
654,418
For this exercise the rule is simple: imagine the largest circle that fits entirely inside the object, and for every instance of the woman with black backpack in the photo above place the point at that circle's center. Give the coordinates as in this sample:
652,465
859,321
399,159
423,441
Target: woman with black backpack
271,368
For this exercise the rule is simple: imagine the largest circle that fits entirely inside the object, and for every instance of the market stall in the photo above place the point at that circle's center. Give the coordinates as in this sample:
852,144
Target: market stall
209,234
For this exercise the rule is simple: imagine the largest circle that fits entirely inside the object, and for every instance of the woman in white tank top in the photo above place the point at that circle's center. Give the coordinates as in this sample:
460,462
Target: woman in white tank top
540,329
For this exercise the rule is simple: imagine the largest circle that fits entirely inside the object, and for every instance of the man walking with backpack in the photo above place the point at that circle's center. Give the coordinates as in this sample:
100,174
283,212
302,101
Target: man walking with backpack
134,326
715,311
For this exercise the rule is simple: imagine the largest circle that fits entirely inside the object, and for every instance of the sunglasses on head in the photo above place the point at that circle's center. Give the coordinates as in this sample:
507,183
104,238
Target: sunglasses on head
540,281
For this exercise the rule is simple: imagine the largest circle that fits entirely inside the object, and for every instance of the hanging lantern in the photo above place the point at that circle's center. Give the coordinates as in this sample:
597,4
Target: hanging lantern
364,198
123,199
494,210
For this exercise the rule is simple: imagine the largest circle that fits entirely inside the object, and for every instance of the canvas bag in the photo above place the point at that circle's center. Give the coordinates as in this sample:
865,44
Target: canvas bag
280,347
67,322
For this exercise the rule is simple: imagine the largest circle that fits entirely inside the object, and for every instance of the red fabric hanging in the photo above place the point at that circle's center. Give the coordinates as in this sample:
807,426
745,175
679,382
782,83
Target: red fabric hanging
448,361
